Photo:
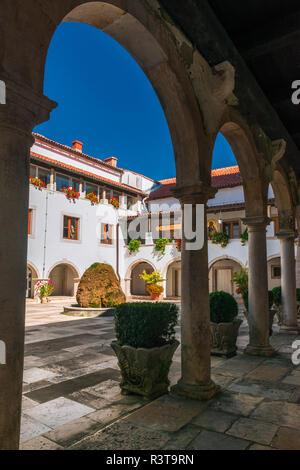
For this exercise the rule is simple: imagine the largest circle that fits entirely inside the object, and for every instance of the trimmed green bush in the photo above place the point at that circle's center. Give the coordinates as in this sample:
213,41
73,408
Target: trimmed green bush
223,307
271,299
277,296
145,324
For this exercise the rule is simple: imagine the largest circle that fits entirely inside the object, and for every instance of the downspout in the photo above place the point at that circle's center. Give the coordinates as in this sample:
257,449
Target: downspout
45,234
118,252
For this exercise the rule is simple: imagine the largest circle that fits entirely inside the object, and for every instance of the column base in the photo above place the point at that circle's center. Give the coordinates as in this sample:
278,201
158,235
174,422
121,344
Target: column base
195,392
264,351
289,329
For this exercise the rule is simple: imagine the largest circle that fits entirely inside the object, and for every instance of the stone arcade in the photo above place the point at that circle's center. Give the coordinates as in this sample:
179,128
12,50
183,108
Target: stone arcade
205,87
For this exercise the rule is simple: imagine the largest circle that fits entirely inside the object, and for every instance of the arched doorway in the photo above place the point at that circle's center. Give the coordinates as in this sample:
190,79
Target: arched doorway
137,285
174,280
63,276
221,276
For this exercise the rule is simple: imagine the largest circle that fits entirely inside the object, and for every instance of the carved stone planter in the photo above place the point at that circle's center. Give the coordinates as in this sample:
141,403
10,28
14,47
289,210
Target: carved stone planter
223,338
145,371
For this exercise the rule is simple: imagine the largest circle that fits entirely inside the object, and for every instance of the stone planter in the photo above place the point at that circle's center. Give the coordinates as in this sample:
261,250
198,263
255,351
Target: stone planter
223,338
145,371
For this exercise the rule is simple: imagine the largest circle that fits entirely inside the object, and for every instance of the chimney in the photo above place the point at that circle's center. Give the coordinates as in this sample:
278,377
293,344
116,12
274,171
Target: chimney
113,161
77,145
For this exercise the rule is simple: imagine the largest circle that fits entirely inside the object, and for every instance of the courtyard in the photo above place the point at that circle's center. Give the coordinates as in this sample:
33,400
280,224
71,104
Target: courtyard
72,400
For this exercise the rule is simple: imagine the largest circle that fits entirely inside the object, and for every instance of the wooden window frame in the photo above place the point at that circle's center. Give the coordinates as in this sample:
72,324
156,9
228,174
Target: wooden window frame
30,217
231,222
68,227
107,239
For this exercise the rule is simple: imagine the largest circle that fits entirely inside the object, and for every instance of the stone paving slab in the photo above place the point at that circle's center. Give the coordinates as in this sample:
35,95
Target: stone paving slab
167,413
258,408
56,413
253,430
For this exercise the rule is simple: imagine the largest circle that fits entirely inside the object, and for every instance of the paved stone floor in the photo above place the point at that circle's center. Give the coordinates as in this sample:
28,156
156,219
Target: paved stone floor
72,398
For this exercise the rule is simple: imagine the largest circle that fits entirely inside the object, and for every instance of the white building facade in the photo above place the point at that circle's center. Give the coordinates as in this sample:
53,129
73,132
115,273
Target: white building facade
66,237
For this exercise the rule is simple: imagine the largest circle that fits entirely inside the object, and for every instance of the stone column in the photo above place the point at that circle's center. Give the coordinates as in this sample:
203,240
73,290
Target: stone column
196,380
258,288
21,112
288,282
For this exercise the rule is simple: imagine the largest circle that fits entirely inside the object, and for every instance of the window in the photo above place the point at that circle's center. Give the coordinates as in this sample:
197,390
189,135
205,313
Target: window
106,234
44,175
62,181
91,188
76,185
71,225
29,221
276,272
232,229
33,170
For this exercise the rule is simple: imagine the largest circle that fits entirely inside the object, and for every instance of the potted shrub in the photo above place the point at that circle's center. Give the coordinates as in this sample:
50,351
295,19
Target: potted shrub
244,237
224,324
145,346
44,290
154,289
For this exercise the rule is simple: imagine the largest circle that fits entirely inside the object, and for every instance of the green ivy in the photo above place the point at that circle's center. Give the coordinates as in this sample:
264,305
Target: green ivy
244,237
160,245
134,246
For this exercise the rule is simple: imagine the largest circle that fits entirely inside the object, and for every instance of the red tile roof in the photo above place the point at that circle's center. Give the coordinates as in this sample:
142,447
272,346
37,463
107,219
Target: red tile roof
220,178
39,137
78,171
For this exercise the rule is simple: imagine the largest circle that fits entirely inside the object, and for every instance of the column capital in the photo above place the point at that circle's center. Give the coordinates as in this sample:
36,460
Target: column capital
286,234
24,107
198,193
256,222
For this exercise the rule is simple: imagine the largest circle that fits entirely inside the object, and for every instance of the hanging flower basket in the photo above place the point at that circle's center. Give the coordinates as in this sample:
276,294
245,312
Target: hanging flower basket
134,246
179,244
219,238
93,198
115,202
37,183
71,193
160,245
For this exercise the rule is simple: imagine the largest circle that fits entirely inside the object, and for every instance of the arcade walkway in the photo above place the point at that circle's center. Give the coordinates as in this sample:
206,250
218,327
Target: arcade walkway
72,399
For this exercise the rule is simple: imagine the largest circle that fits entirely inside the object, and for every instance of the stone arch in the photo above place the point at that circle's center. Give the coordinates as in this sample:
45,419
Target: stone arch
65,277
137,285
250,161
283,199
221,271
152,41
172,275
31,279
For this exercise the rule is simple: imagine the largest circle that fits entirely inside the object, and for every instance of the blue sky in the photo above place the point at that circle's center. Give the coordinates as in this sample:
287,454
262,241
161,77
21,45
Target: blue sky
106,101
